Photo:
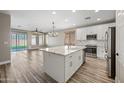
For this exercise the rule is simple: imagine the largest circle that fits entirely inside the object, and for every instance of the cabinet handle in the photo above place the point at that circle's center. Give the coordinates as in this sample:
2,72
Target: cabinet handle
70,63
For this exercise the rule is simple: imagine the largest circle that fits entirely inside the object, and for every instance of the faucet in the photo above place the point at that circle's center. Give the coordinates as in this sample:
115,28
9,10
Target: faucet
69,46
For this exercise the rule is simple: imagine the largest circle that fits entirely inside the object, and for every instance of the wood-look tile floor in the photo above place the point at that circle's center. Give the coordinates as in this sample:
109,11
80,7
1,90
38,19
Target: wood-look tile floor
27,67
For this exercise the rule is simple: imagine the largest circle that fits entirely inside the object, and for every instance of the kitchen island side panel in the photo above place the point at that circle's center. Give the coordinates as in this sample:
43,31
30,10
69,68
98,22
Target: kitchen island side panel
54,66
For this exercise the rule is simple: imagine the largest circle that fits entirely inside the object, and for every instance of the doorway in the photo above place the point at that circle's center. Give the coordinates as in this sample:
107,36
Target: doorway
18,41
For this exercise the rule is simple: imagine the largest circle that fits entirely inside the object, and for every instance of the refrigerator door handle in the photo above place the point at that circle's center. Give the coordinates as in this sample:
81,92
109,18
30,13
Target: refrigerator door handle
106,41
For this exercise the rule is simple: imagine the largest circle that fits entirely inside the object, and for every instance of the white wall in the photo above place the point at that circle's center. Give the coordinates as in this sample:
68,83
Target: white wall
56,41
5,56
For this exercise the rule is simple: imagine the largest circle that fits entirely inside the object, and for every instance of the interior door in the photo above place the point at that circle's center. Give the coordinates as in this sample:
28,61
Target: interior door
120,46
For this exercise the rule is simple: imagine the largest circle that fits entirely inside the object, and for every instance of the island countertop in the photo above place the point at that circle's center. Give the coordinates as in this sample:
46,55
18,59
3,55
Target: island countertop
63,50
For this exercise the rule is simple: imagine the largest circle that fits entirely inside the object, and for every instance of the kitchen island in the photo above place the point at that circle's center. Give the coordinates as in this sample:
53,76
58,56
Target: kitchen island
62,62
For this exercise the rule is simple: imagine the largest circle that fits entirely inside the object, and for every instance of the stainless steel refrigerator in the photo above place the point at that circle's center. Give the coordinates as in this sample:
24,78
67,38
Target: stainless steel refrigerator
110,38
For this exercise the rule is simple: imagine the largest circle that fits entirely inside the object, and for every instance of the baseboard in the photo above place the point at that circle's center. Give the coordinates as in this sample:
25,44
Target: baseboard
32,48
5,62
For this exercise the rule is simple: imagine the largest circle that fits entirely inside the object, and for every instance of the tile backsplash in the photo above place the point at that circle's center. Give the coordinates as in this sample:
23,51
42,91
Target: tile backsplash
98,43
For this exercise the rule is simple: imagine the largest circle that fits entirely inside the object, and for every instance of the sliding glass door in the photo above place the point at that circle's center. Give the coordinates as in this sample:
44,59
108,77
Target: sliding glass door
18,41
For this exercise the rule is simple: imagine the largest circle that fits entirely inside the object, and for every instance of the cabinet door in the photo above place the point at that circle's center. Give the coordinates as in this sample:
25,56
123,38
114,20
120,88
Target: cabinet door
100,52
72,64
83,34
78,34
76,60
101,31
68,69
90,30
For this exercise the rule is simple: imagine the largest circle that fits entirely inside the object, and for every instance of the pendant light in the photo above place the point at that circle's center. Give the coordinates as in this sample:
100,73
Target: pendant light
53,33
37,32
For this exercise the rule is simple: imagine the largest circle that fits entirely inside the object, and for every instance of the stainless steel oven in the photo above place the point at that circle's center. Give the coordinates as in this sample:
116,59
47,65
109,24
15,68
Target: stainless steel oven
91,51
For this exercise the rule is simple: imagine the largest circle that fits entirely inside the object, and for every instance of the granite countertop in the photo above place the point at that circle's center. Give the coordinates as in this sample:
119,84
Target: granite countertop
63,50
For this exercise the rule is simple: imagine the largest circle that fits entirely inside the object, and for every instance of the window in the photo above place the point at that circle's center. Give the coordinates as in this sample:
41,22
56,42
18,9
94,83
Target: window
18,41
33,39
41,40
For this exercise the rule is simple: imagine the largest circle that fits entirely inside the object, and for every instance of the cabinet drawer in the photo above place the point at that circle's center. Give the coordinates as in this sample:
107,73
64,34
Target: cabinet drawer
73,55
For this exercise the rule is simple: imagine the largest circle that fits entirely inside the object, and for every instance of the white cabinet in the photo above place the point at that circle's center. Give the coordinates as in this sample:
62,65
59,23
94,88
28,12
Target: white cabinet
60,67
77,60
101,52
101,29
72,63
54,66
91,30
81,34
68,70
78,34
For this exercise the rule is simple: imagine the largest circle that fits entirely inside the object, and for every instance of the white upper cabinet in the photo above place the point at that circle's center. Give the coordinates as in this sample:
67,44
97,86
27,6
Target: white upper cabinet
78,32
81,34
100,30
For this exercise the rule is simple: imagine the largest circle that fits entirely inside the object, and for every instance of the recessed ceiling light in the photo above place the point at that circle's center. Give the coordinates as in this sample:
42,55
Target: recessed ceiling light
53,12
96,10
74,24
98,19
66,20
73,11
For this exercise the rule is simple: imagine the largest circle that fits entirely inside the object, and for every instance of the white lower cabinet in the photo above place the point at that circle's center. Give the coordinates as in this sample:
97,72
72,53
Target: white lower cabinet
60,67
72,65
68,70
101,52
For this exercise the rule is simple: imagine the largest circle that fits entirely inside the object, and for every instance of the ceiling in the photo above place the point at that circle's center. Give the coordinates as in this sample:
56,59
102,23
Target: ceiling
64,19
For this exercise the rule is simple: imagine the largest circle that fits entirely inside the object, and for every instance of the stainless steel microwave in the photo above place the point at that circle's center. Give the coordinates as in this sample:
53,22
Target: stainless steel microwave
92,37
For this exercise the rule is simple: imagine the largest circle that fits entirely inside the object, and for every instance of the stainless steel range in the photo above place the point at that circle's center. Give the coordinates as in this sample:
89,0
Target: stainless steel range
91,50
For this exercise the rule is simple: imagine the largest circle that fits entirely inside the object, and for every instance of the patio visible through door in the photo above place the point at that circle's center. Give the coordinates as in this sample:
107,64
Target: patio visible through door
18,41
